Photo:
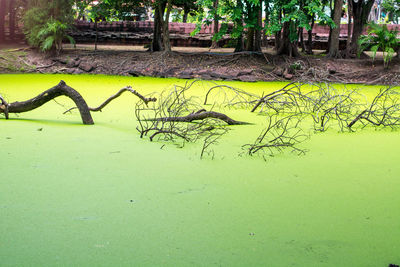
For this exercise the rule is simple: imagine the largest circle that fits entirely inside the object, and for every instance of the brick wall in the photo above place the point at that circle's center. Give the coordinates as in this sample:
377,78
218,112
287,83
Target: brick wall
181,28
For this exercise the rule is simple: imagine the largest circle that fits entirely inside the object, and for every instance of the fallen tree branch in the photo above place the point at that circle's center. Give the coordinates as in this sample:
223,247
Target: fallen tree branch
146,100
285,90
201,115
60,89
4,107
383,111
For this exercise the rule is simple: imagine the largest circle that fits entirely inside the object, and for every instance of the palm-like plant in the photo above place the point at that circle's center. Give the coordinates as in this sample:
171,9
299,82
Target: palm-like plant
53,33
380,38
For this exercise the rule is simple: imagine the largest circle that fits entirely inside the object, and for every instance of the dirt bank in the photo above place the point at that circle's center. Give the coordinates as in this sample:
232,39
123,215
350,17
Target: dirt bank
199,63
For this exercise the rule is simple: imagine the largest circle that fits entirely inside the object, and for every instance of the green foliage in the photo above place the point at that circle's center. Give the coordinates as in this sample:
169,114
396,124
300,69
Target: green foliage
392,7
53,34
380,38
34,20
297,13
46,23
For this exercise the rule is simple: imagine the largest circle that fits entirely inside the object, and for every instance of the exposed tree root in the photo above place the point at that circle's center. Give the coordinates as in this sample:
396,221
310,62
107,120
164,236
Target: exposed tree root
201,115
60,89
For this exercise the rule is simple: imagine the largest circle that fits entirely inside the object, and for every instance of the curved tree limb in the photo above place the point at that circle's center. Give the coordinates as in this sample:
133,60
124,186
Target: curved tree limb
146,100
60,89
201,115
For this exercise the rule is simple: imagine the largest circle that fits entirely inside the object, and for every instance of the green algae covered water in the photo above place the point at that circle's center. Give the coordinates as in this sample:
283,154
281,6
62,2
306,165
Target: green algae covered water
75,195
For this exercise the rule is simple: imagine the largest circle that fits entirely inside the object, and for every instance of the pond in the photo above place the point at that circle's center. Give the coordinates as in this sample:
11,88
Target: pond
72,194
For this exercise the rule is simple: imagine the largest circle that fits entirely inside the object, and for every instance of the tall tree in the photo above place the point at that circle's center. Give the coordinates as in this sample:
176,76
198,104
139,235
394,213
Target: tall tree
361,10
349,27
257,35
215,23
287,16
335,31
165,27
156,44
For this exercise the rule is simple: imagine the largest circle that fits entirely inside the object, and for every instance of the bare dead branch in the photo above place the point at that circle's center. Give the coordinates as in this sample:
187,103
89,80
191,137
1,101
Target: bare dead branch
384,110
290,96
146,100
239,96
281,133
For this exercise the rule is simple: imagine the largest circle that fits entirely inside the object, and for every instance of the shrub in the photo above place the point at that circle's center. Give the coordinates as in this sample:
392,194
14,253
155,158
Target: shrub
52,35
46,24
380,38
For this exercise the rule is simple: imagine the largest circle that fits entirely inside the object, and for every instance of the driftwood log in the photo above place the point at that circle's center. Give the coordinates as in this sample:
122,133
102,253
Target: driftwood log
60,89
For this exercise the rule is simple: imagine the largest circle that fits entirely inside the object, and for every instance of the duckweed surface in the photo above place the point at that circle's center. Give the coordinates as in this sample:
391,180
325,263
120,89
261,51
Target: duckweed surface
76,195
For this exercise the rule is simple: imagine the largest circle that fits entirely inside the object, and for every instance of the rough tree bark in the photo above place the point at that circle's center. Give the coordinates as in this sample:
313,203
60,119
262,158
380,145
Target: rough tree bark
165,23
61,89
361,10
250,39
216,24
349,27
334,43
156,44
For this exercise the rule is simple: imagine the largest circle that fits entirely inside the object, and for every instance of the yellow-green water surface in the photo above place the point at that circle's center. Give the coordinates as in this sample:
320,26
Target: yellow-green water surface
76,195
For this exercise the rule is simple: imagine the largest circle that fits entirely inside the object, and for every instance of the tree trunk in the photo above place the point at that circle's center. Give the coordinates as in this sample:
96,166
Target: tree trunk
97,34
12,19
250,39
278,35
361,11
257,36
301,37
185,14
266,10
166,39
239,23
46,96
156,44
334,44
309,42
2,20
216,24
286,46
349,27
239,44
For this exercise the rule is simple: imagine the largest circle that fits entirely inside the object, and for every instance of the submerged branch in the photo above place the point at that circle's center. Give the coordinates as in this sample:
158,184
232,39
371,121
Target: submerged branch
201,115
